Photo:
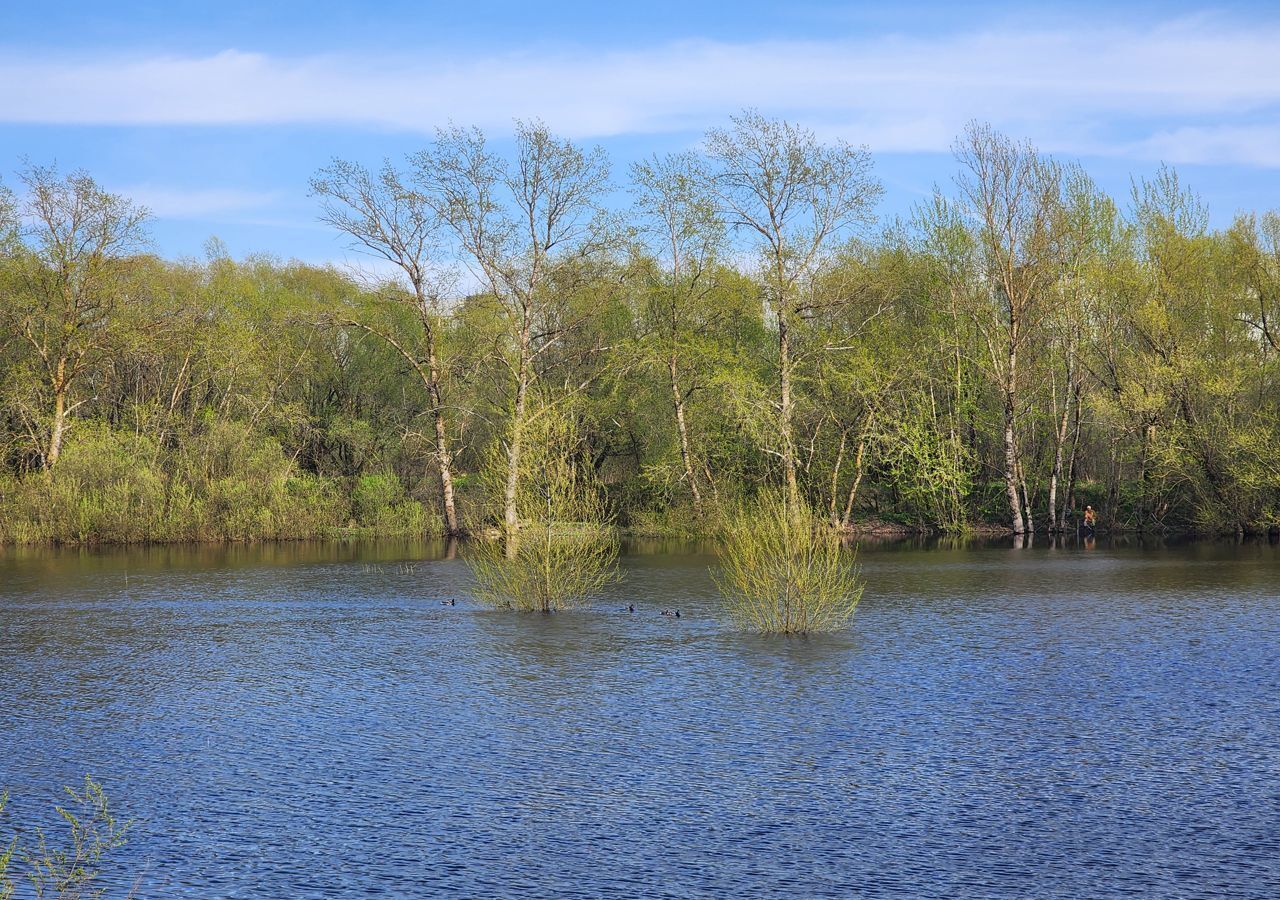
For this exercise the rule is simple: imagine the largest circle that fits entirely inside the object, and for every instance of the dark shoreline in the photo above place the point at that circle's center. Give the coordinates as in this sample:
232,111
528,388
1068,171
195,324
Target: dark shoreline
880,532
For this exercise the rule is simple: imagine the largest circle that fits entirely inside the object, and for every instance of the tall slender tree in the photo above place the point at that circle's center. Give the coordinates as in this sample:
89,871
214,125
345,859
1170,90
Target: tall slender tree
685,233
386,218
1011,194
795,199
73,274
527,226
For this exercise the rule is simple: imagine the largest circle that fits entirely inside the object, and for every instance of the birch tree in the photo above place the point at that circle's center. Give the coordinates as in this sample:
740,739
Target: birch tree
525,225
686,236
73,277
385,218
795,200
1088,230
1011,194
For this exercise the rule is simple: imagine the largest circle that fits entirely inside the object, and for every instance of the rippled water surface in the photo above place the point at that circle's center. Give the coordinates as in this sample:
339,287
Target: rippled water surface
296,721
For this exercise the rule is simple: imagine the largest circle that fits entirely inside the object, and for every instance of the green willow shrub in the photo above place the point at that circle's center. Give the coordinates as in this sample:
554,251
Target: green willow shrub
379,504
784,571
104,489
545,569
410,518
6,855
566,549
677,520
373,495
931,471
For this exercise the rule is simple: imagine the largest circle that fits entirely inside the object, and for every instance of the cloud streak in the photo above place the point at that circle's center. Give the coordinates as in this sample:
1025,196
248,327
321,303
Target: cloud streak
1186,91
195,203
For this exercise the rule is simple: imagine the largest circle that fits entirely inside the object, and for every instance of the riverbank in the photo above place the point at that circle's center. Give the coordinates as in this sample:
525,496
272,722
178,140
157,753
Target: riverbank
876,531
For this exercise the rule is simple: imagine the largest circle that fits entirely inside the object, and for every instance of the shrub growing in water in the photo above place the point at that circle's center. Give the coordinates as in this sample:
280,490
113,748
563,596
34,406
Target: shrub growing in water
566,549
784,571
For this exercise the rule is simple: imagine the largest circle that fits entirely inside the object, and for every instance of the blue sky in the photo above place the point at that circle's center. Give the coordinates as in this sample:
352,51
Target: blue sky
215,115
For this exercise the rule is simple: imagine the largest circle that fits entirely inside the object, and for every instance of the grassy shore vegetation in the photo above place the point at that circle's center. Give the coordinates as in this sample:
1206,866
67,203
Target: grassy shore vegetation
1021,345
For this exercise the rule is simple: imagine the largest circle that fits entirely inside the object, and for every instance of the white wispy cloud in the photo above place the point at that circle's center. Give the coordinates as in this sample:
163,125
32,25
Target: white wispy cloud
1254,145
1189,89
197,203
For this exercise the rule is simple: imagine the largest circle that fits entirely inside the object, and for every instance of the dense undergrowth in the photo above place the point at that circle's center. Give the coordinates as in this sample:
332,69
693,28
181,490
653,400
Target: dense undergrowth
228,485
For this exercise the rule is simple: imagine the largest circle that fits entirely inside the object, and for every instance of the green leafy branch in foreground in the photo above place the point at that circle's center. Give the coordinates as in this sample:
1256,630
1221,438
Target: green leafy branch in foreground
6,883
66,872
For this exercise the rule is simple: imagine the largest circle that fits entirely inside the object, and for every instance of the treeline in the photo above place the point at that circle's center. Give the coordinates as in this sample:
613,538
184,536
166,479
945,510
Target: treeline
1020,346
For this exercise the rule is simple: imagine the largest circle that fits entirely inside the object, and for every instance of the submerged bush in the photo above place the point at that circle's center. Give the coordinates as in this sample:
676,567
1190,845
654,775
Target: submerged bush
546,568
784,571
566,549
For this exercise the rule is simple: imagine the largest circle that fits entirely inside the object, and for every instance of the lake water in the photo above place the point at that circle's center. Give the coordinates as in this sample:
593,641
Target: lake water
309,720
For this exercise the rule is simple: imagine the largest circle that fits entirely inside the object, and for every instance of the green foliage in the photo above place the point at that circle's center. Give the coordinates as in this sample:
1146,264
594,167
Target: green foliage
784,571
379,506
566,549
675,520
7,886
256,399
227,485
930,471
374,495
66,871
544,568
